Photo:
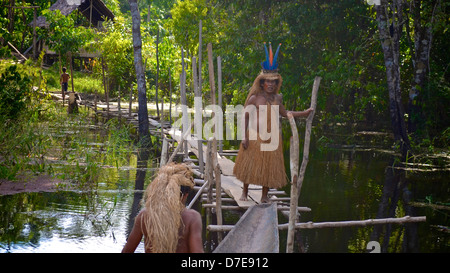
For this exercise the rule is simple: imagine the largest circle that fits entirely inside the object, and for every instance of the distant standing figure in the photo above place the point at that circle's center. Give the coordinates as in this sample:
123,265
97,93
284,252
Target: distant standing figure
64,80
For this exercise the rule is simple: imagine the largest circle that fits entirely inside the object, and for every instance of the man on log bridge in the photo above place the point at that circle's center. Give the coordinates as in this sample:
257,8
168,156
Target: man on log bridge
260,158
165,223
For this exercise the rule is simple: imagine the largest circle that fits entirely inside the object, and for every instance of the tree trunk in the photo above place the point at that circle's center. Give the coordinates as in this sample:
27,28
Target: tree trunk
144,133
389,18
422,47
157,74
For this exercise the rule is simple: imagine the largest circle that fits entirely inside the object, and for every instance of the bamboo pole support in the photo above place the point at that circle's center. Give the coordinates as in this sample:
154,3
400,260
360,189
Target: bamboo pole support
297,181
311,225
198,117
131,101
211,74
217,177
219,93
157,74
198,194
118,105
164,152
170,98
180,144
183,99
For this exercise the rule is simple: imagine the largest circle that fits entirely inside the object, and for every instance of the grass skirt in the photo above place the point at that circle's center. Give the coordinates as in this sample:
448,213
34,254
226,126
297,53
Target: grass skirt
265,168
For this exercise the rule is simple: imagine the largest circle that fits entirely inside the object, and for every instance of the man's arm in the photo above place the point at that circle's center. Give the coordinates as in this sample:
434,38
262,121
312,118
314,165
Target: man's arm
195,234
135,236
303,114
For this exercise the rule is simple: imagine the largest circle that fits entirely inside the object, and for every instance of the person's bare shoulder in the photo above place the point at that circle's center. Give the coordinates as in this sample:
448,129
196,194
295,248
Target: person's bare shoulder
191,213
252,99
279,98
191,216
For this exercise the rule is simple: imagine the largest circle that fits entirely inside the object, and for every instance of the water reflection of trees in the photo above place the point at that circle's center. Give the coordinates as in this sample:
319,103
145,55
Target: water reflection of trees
394,203
142,163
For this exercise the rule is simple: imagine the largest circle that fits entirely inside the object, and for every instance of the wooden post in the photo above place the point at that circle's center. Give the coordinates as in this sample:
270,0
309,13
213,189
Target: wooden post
297,184
131,100
71,70
95,100
164,152
157,73
218,187
34,33
104,84
90,13
209,176
219,95
309,120
198,117
211,74
170,98
118,105
200,57
294,158
199,94
183,99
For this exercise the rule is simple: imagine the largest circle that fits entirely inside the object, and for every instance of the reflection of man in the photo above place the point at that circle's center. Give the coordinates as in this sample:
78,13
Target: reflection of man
255,165
165,223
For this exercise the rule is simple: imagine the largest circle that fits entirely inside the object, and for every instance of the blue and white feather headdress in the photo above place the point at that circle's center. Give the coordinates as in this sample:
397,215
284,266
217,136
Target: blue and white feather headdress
270,65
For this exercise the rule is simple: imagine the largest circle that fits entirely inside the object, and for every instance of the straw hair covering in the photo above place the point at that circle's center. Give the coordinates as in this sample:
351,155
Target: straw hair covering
264,168
163,207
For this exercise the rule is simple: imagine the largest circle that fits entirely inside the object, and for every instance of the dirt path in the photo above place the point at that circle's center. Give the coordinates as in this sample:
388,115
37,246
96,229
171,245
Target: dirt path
31,183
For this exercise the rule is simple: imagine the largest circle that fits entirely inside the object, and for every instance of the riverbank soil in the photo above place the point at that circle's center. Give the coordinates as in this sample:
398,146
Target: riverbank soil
31,183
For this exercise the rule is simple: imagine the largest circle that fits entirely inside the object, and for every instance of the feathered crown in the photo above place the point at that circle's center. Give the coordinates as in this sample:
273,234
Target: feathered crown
270,65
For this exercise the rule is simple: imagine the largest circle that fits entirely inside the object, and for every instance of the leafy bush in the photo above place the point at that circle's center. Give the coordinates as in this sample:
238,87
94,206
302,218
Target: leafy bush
14,89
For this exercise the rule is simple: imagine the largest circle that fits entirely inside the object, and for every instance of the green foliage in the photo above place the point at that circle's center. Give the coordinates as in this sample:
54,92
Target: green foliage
62,34
337,40
14,92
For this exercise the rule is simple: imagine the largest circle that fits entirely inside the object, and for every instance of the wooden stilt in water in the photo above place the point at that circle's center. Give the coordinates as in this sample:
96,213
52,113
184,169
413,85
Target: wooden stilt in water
297,184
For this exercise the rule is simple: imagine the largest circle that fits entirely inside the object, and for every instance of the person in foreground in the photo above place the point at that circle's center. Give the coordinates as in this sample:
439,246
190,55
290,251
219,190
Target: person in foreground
165,223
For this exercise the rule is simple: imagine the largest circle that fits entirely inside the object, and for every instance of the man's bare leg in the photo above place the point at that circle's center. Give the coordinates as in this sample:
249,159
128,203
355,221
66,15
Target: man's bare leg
244,193
264,197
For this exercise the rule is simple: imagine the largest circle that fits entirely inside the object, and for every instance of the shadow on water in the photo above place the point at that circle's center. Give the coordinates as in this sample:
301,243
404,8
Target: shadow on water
142,163
395,191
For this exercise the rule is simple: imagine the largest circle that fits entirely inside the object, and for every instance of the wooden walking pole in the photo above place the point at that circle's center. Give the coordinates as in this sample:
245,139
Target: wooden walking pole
198,117
131,100
157,73
297,183
219,93
216,170
211,74
183,99
170,97
118,105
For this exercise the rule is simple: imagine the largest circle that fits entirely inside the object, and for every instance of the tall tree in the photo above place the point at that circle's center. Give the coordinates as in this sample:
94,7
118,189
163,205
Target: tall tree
390,20
423,15
144,133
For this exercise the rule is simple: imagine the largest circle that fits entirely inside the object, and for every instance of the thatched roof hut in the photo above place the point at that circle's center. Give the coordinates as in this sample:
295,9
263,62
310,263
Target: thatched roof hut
96,8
